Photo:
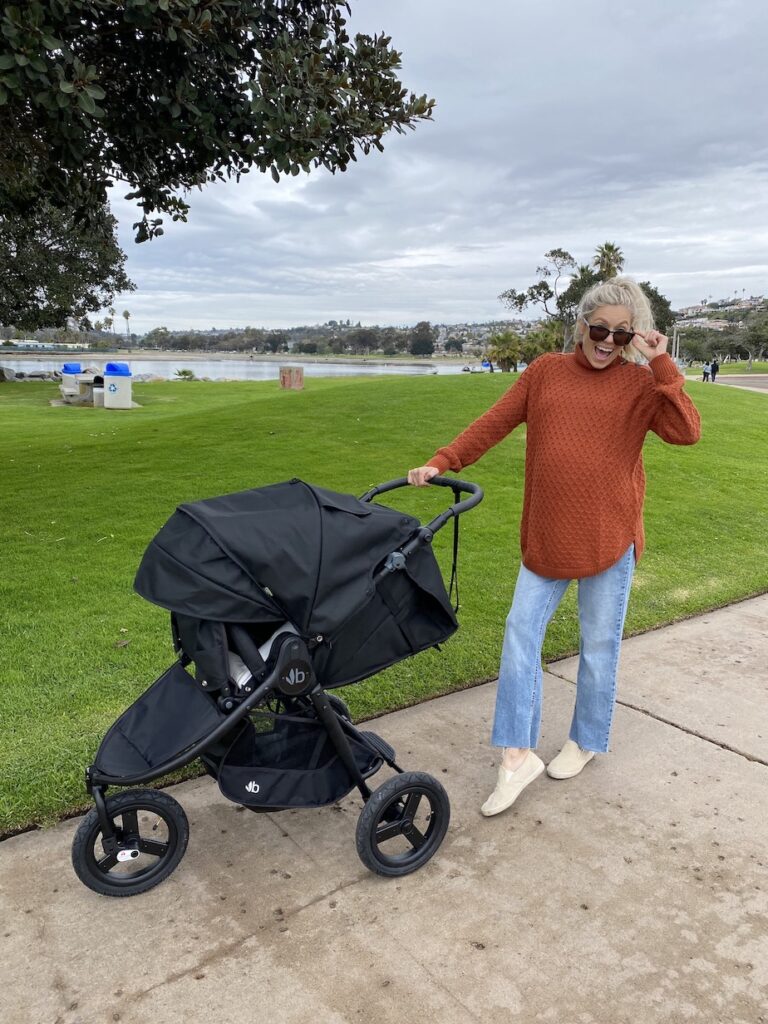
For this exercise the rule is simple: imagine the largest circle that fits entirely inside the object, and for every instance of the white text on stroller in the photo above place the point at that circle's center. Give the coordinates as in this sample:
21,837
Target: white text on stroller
252,787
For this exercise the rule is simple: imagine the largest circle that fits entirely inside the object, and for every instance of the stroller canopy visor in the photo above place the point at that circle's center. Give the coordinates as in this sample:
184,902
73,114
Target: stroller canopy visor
288,552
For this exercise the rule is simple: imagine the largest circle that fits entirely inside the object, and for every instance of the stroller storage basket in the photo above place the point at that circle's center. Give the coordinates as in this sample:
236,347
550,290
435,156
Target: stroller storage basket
286,761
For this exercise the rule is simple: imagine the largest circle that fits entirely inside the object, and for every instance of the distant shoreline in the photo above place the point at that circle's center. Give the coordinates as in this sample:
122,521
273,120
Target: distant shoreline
200,356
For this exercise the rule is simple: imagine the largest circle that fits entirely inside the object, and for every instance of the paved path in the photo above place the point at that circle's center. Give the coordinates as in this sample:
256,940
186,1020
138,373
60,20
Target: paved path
636,893
745,381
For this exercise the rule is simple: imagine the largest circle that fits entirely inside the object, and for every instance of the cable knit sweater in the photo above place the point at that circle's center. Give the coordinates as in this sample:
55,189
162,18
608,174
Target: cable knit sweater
584,476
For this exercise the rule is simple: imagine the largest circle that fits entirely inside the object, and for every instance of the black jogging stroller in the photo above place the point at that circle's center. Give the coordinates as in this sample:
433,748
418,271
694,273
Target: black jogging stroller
276,595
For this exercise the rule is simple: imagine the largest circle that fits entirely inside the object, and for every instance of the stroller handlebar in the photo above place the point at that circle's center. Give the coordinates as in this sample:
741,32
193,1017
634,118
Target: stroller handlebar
475,496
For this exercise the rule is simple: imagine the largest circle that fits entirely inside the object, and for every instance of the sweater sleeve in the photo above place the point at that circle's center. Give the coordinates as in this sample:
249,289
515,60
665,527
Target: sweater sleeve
486,431
674,416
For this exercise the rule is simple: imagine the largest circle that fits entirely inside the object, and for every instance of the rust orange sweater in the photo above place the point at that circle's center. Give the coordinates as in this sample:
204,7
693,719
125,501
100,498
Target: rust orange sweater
584,476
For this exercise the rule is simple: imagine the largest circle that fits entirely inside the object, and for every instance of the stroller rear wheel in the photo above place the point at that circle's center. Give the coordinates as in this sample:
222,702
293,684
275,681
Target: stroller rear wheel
402,824
151,832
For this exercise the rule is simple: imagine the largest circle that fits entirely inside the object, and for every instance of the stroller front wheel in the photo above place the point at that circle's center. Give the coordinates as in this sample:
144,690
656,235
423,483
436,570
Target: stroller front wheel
151,830
402,824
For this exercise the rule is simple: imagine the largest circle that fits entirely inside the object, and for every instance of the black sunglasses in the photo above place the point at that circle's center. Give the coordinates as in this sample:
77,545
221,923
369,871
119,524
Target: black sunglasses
597,332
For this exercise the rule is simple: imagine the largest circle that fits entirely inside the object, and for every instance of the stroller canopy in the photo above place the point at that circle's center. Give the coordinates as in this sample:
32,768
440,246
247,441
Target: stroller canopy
288,552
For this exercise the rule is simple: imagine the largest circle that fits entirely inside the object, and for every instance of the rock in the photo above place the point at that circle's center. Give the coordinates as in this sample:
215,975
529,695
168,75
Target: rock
7,375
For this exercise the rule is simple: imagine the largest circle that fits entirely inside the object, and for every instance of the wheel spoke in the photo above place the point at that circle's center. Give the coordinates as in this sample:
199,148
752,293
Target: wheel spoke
414,837
388,831
154,847
412,805
107,863
130,822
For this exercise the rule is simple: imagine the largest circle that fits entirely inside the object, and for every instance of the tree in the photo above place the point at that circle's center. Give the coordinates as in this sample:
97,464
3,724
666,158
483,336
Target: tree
663,315
558,262
276,342
454,345
422,339
561,305
165,95
53,267
546,338
756,340
608,260
505,349
364,339
695,344
127,316
158,337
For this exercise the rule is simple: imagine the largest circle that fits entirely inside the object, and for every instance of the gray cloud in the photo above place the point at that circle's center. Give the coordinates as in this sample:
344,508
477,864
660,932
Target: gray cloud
557,125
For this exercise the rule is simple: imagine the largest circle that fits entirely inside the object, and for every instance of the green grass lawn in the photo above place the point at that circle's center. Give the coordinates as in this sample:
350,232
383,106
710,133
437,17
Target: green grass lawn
83,491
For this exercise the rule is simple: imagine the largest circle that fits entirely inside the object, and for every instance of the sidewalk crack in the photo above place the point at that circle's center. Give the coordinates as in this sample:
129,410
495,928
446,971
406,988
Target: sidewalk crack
675,725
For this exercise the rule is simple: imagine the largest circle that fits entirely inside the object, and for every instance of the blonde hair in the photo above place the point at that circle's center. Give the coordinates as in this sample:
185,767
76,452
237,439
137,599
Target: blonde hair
617,291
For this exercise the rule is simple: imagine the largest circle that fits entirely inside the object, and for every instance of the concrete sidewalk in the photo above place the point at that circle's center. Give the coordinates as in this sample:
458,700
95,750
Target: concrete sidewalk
637,892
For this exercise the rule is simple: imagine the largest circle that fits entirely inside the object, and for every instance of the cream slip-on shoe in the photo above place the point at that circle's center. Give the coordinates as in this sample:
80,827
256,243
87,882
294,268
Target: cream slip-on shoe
510,785
569,761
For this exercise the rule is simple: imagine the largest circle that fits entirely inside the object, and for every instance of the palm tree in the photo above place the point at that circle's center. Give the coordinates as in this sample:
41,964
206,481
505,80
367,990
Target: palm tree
127,316
608,259
504,349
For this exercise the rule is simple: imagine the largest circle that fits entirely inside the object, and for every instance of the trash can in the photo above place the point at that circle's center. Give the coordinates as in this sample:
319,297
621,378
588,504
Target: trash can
69,375
117,386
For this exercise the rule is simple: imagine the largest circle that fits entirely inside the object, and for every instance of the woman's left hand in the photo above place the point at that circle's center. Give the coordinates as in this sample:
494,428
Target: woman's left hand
650,343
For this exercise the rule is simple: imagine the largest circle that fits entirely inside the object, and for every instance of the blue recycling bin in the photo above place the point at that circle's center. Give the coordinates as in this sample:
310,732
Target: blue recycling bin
118,381
69,373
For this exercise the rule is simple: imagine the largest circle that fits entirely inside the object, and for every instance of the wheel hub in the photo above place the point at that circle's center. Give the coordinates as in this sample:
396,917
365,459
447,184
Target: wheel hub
127,854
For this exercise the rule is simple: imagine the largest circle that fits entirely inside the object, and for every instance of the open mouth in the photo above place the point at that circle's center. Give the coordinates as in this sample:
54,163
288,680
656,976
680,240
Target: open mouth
603,353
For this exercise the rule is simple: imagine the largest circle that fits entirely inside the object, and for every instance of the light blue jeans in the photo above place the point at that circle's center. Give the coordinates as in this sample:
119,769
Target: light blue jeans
603,603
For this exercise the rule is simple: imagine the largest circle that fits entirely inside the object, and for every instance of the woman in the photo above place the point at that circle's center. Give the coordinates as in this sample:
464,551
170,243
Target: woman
587,414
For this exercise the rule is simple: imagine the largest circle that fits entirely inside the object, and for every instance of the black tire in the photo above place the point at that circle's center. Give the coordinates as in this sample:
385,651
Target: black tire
392,815
157,856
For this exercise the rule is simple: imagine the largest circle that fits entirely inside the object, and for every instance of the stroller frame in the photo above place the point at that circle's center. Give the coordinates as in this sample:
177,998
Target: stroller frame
289,676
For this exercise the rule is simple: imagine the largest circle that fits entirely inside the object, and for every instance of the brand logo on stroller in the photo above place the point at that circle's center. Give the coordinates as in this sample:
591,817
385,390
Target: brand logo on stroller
252,787
296,677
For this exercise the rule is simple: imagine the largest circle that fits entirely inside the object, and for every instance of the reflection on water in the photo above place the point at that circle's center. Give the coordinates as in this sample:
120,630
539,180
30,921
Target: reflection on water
229,369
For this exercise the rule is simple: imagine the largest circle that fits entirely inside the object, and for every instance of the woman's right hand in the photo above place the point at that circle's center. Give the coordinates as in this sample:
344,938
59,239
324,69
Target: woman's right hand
422,475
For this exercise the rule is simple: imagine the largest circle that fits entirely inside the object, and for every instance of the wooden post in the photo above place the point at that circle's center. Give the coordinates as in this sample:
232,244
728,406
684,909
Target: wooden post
292,377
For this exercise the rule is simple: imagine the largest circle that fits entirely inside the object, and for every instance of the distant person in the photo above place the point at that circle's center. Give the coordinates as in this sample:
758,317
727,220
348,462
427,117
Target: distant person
587,414
714,369
705,372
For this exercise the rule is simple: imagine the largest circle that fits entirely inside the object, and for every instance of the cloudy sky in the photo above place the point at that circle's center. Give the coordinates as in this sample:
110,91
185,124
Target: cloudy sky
559,124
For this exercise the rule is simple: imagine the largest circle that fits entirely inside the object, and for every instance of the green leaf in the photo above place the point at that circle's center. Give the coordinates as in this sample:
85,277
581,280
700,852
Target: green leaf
50,43
86,102
275,175
66,86
96,91
7,60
